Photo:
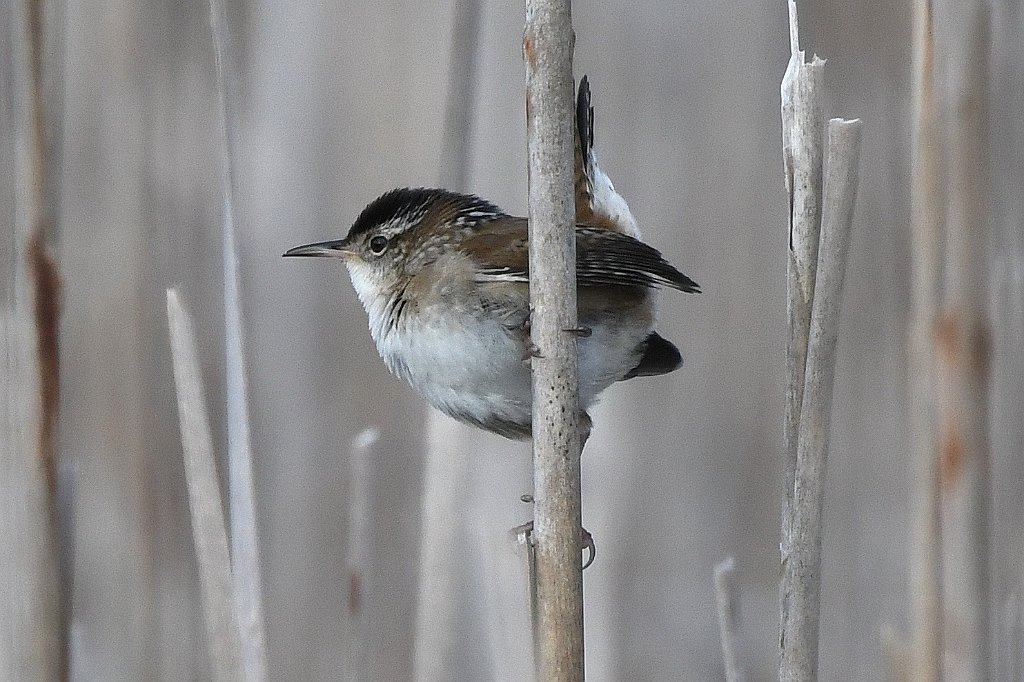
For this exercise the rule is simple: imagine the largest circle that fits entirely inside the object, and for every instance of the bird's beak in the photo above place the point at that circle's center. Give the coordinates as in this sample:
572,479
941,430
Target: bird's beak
337,248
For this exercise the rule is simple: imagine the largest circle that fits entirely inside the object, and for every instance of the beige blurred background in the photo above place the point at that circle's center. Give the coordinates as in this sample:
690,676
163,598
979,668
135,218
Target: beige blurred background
341,101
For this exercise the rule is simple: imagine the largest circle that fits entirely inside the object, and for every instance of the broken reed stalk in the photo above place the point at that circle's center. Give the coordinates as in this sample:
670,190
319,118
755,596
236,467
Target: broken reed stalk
802,153
208,529
445,475
802,573
728,618
33,634
925,227
360,555
963,342
547,50
245,565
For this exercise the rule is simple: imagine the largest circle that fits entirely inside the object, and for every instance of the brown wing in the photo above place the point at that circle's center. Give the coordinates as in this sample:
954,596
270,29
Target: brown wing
603,258
501,251
611,258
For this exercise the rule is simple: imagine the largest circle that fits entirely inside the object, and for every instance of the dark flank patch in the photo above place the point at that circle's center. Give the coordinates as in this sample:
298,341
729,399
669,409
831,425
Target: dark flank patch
489,422
659,357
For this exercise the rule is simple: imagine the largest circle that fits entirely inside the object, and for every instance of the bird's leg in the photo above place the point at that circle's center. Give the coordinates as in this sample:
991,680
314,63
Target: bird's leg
586,540
532,351
583,424
523,328
587,543
581,332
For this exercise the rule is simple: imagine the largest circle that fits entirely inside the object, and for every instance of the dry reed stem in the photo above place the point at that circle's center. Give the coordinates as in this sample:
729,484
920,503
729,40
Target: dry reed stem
446,472
925,227
547,50
802,571
33,632
802,155
802,136
245,563
208,528
963,342
359,559
727,601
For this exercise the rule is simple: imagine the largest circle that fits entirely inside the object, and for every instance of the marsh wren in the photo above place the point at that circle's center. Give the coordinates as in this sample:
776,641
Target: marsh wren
444,280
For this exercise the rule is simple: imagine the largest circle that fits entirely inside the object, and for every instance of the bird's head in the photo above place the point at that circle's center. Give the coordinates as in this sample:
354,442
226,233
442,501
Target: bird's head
401,231
395,237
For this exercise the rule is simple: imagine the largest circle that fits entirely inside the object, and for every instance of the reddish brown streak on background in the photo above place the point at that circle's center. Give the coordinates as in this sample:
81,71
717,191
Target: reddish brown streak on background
47,318
355,592
974,359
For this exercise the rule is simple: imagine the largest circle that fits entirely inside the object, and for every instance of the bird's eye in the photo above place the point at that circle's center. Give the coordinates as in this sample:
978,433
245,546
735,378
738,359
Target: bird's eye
378,244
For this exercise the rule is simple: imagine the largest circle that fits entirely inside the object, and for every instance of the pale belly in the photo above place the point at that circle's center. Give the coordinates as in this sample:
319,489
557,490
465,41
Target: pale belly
478,371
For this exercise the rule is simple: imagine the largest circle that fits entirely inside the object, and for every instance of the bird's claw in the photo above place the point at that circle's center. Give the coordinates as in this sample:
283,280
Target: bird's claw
587,543
581,332
532,350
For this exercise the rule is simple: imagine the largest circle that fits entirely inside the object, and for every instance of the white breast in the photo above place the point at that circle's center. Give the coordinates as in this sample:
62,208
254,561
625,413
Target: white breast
472,365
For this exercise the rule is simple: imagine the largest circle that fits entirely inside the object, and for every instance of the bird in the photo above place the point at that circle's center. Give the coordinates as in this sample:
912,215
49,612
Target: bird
444,279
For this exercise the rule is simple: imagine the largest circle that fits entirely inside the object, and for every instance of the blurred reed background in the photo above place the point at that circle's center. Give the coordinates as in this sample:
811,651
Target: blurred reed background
338,102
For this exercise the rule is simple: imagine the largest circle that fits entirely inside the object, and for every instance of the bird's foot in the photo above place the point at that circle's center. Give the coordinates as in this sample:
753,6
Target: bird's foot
523,329
586,540
581,332
587,543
